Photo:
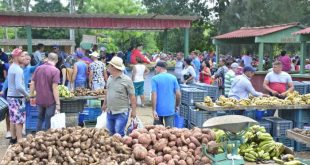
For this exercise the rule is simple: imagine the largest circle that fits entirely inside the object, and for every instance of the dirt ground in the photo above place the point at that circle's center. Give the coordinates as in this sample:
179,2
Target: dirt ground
144,114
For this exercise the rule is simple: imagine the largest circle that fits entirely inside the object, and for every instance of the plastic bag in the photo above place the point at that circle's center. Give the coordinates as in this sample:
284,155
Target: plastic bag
134,124
102,120
58,121
178,121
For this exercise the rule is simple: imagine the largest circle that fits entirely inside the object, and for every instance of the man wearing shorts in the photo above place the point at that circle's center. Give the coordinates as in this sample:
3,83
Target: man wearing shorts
138,73
16,95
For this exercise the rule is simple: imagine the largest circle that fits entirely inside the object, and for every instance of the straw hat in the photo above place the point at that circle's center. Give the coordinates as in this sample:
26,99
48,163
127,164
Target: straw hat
94,54
117,63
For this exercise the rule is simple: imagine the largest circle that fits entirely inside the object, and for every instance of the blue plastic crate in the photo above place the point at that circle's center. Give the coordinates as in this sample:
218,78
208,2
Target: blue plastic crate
211,90
249,113
191,95
185,111
198,117
266,125
31,110
307,83
300,87
284,140
93,113
279,126
291,115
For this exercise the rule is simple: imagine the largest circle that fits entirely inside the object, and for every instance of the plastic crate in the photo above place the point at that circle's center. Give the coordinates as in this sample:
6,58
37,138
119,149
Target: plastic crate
71,106
186,86
300,87
199,117
266,125
211,90
94,103
184,111
279,126
186,123
301,147
93,113
291,115
307,83
31,110
90,124
284,140
249,113
191,95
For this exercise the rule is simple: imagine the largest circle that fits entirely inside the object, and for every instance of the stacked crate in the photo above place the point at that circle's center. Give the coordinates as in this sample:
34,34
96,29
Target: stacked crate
32,115
278,130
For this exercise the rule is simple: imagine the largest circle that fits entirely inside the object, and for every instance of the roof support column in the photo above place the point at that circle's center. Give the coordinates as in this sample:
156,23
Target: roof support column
29,39
261,56
165,40
217,51
302,57
186,42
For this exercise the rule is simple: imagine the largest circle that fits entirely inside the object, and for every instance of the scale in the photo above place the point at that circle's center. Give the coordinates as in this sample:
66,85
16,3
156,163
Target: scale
234,126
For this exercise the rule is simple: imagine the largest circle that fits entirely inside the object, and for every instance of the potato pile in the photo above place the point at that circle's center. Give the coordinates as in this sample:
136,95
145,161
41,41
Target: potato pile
172,146
73,145
88,92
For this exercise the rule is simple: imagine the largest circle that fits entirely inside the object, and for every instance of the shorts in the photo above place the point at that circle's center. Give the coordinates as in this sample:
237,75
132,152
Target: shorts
139,88
16,110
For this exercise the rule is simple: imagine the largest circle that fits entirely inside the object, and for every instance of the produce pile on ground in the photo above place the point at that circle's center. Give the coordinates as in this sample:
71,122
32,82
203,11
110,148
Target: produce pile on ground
64,92
73,145
160,145
293,98
302,131
88,92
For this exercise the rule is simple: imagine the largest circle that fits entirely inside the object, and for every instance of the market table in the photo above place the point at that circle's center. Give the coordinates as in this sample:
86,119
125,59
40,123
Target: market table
298,137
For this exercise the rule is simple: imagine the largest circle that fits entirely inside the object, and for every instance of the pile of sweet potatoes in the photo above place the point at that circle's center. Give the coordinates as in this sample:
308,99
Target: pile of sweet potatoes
73,145
172,146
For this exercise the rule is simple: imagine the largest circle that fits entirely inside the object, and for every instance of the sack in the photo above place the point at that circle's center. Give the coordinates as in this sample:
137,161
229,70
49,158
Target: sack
69,74
58,121
102,120
134,124
4,108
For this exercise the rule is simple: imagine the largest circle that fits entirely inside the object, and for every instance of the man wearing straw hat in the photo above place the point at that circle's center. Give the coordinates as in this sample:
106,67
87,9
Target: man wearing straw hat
120,98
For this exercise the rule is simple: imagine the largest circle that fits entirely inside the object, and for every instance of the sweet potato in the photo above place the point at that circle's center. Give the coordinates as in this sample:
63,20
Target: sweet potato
192,146
144,139
151,153
167,150
172,137
189,160
134,134
159,159
159,146
127,140
195,141
172,143
139,152
149,160
167,157
182,162
171,162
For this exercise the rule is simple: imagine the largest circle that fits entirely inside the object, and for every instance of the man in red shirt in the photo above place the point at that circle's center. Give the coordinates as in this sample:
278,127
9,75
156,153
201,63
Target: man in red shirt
286,61
136,53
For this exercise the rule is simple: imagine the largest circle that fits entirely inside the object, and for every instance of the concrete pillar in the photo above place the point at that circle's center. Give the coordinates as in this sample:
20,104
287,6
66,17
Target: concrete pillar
186,42
29,39
303,47
261,56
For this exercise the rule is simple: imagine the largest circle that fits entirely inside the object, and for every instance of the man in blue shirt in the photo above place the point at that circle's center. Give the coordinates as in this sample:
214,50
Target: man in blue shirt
196,63
166,95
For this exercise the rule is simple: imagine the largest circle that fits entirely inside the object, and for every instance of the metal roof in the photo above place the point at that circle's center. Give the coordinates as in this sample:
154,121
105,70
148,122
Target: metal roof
246,32
303,31
62,42
109,21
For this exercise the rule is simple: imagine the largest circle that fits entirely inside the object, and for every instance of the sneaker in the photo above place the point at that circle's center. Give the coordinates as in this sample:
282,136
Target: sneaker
8,135
13,141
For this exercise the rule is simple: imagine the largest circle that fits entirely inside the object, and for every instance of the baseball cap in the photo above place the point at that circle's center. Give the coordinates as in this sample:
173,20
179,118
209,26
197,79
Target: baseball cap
16,52
249,69
79,54
55,46
234,65
103,49
161,64
94,54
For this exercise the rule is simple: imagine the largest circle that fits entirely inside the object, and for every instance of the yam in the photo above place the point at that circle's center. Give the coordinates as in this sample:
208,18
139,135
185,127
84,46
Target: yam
139,152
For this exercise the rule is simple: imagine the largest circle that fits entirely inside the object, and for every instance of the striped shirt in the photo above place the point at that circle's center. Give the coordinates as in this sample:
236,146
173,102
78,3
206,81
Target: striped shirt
229,77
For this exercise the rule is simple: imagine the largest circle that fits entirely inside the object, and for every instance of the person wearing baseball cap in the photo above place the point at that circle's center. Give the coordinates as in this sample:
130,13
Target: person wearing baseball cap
241,86
229,76
120,98
17,95
166,95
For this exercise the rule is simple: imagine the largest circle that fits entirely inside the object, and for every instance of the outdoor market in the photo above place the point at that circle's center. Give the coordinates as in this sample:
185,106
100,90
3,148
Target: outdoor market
137,83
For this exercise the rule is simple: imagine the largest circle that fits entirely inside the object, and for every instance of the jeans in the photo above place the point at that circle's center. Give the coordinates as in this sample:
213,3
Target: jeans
98,85
116,123
167,121
45,114
80,84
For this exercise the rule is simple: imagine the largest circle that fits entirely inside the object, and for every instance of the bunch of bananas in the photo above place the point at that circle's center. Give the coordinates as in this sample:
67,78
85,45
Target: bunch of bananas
208,101
287,159
259,145
64,92
226,102
296,99
306,98
244,102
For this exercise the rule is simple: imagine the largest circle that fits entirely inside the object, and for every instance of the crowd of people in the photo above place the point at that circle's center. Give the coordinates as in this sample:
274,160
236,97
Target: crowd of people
36,77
